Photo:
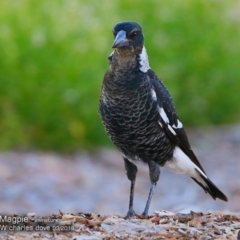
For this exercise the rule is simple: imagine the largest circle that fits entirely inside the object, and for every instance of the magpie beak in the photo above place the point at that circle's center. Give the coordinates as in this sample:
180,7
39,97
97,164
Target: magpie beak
121,40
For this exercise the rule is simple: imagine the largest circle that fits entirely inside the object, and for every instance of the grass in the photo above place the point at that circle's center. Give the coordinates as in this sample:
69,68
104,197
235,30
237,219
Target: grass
54,56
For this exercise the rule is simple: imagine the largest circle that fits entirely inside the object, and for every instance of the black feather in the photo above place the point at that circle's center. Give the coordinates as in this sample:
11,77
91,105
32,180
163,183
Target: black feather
132,98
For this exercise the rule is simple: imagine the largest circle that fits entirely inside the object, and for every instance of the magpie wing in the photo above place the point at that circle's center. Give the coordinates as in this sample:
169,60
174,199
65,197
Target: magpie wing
169,120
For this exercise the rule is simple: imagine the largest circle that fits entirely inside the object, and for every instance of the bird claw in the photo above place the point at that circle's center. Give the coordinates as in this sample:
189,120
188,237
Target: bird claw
142,216
131,213
145,213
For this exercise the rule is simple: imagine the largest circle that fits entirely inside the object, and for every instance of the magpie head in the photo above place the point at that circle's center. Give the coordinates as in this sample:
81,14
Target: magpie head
128,36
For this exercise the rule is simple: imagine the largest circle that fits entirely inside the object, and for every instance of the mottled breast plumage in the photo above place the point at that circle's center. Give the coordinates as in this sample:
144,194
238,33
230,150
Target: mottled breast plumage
138,114
130,116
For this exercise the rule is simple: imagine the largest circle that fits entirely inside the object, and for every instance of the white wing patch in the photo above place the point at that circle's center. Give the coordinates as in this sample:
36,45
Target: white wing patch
153,94
163,115
166,120
172,130
179,125
143,60
181,163
160,124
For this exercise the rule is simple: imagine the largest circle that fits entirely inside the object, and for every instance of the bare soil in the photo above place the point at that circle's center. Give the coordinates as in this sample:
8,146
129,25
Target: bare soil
43,183
160,225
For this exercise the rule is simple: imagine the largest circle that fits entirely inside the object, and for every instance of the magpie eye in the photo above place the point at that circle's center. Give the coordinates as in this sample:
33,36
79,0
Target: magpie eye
133,33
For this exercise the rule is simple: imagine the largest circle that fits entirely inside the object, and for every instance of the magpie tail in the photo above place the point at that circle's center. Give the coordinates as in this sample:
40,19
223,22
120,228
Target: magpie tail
210,187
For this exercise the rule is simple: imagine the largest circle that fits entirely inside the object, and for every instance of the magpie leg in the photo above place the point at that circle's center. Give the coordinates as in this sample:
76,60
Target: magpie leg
154,172
131,170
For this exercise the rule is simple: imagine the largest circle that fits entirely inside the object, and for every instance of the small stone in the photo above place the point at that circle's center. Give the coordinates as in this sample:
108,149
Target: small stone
106,227
31,214
67,217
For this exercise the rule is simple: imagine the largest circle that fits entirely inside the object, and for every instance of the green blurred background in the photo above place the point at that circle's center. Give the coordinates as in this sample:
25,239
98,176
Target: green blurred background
53,55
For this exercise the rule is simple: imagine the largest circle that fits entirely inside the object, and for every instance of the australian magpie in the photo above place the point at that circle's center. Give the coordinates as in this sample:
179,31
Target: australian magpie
139,116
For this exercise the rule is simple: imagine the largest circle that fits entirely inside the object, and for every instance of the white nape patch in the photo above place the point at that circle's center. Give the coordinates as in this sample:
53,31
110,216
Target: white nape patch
181,163
179,125
154,95
163,115
143,57
111,53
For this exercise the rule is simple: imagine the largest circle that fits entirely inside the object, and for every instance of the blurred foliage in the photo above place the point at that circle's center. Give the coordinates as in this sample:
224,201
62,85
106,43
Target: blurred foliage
54,55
